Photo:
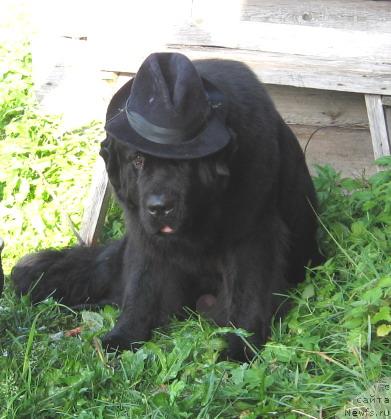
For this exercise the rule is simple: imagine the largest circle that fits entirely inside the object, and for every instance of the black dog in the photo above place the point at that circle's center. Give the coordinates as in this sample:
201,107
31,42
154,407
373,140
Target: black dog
221,233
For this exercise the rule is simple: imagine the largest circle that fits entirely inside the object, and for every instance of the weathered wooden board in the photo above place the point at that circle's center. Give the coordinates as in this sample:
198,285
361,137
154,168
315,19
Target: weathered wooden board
336,57
96,205
292,54
377,125
319,107
288,39
351,75
75,18
364,15
348,150
386,101
387,114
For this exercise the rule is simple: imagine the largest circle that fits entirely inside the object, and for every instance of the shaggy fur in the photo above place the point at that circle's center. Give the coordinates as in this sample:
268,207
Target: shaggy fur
242,228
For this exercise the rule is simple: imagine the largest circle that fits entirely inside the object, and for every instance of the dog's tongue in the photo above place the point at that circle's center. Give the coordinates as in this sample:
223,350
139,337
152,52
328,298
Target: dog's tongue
167,230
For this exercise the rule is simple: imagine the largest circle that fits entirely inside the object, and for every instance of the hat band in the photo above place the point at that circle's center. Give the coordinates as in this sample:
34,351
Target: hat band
159,134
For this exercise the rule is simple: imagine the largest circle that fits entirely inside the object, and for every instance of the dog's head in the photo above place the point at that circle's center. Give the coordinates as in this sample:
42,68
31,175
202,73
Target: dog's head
169,198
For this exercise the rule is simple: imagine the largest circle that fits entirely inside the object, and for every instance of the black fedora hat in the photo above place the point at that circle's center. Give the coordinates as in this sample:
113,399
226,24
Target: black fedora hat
169,111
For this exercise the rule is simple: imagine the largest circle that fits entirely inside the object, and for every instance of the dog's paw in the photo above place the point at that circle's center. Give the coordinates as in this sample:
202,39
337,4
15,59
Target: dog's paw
238,349
116,341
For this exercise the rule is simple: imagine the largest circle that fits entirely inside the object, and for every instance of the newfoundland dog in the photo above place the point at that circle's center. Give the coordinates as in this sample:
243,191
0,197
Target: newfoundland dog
218,204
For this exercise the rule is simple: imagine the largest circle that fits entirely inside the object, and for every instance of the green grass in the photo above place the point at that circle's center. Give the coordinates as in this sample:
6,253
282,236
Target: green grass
334,343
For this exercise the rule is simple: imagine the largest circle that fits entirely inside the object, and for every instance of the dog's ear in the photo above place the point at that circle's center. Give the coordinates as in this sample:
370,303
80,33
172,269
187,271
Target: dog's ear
110,155
104,151
225,158
117,169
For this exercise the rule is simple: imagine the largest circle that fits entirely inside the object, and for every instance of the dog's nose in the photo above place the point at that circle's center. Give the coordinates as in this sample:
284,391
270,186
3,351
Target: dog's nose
159,205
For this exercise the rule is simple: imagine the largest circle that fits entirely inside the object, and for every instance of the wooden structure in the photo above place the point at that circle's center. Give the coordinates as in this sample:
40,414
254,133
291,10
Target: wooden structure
333,45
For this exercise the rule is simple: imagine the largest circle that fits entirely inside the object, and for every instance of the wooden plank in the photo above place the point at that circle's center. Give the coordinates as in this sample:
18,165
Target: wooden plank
96,206
377,125
368,47
347,75
283,38
363,15
319,107
387,115
347,150
386,100
360,15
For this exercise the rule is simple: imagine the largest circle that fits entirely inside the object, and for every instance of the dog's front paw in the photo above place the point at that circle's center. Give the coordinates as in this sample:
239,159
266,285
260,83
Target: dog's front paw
239,349
117,340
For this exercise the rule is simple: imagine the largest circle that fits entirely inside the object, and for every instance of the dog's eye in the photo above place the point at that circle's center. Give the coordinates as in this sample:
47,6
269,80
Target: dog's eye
138,161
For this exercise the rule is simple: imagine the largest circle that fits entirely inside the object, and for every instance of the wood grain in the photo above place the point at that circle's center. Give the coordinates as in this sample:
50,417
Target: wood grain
283,38
348,150
387,115
96,205
377,125
364,15
349,75
319,107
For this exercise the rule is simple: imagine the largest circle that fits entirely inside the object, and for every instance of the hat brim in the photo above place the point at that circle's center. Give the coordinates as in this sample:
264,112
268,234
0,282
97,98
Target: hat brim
214,136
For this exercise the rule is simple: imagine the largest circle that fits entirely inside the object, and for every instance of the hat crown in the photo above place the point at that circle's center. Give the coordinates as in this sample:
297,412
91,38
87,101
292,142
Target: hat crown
168,92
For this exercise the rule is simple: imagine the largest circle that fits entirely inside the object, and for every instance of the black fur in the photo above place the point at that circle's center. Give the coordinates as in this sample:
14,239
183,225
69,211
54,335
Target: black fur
243,228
